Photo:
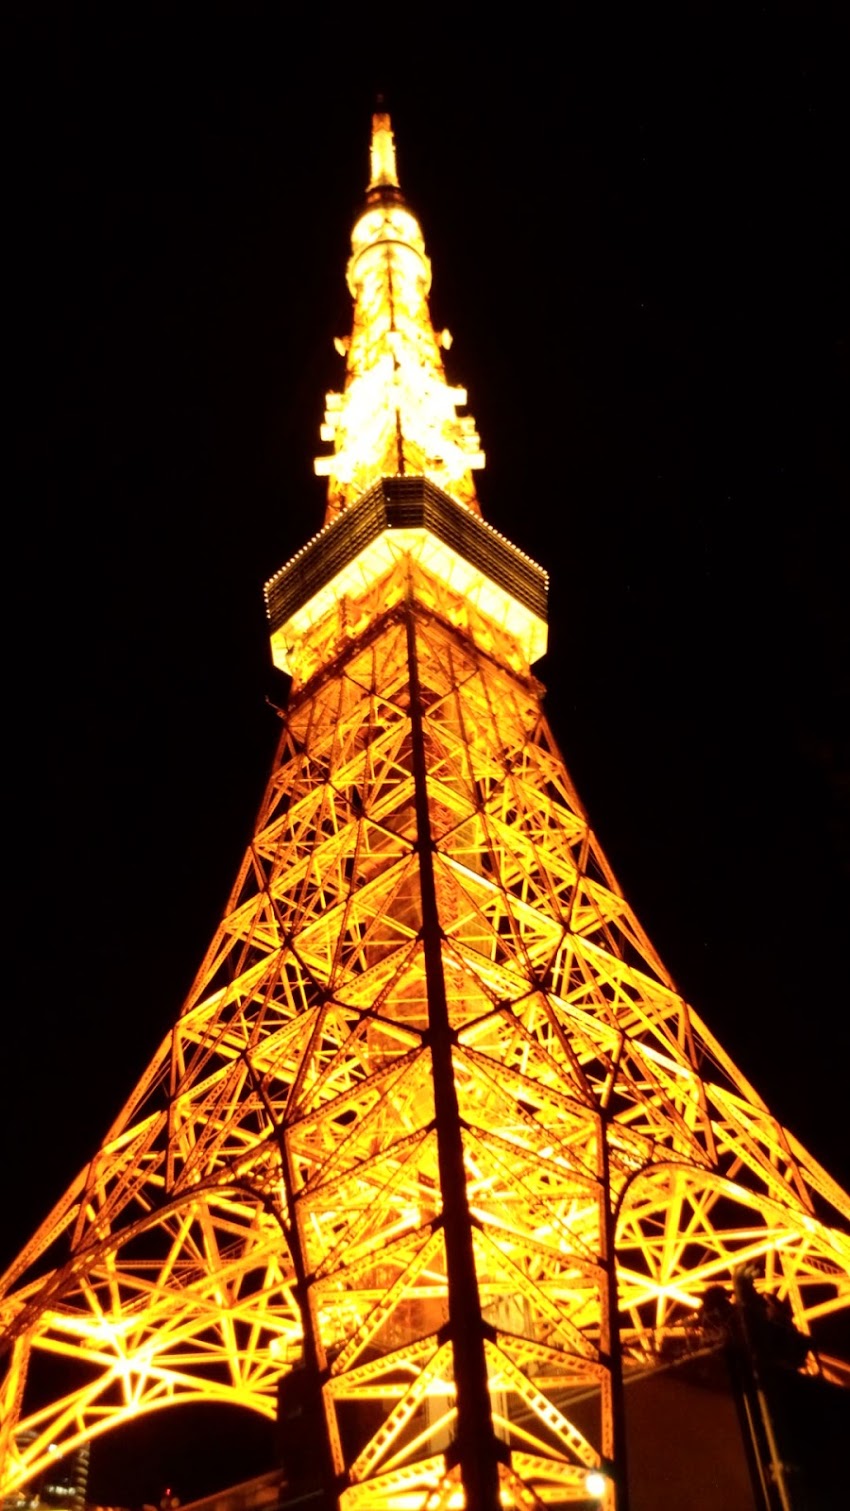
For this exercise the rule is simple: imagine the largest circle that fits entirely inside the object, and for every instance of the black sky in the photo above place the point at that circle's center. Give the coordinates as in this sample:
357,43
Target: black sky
638,238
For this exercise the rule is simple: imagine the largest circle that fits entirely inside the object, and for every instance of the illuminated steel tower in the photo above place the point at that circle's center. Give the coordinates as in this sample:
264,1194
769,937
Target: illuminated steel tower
435,1150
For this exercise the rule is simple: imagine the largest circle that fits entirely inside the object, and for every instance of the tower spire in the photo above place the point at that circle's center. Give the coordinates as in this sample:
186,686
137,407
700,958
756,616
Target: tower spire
397,415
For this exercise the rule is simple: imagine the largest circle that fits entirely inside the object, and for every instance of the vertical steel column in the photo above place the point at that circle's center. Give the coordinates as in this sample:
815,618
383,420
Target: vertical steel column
614,1455
755,1399
315,1419
477,1446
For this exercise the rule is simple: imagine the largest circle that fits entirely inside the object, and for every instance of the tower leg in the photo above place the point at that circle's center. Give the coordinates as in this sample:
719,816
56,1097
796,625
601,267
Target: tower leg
11,1396
613,1395
308,1433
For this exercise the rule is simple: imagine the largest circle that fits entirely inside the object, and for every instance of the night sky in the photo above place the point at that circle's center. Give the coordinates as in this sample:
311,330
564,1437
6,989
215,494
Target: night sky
639,245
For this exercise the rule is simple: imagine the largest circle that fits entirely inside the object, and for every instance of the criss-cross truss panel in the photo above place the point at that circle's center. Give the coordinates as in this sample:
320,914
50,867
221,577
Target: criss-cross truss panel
276,1183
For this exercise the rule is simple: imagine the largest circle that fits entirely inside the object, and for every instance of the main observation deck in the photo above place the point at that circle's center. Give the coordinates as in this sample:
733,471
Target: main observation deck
407,517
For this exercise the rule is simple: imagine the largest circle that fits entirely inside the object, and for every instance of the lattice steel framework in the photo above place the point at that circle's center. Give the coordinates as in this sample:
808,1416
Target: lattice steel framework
434,1134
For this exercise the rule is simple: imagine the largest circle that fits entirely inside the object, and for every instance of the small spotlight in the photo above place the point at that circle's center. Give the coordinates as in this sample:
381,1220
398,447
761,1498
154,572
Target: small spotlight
595,1483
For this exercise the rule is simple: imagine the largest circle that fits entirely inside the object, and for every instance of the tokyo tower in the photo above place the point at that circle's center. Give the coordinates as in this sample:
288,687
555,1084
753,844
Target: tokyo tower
435,1155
